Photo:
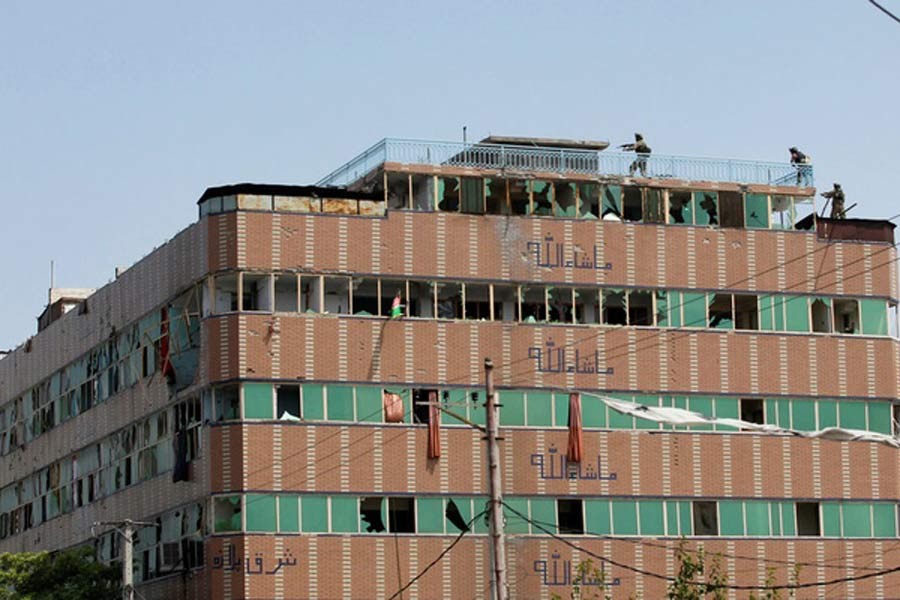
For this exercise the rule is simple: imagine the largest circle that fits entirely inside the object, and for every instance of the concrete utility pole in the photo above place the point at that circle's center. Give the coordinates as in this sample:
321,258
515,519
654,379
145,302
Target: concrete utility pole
126,530
498,545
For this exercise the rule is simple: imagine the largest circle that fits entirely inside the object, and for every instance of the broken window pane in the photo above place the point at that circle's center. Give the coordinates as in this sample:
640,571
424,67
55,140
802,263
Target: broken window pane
565,200
478,305
423,192
542,198
756,211
311,293
560,305
846,315
589,200
782,213
448,194
421,299
533,304
587,306
226,293
371,514
519,197
495,192
506,302
706,519
449,300
632,204
612,203
286,293
365,296
731,209
640,308
472,189
680,207
821,315
337,295
257,295
421,409
391,289
401,515
288,401
874,317
746,312
614,309
227,513
228,402
397,190
752,410
706,208
570,516
653,206
720,315
808,519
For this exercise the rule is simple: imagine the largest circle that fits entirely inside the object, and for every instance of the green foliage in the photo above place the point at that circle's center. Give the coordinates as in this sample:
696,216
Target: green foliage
588,584
68,575
699,577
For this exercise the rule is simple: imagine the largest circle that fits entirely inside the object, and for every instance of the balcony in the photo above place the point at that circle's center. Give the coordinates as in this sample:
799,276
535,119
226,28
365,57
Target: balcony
564,161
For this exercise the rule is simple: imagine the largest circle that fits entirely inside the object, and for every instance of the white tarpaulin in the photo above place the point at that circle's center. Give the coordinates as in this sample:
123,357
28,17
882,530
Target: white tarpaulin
686,418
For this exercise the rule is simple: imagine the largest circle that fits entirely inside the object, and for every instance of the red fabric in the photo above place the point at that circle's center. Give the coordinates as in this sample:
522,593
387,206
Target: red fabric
434,426
393,407
167,369
575,449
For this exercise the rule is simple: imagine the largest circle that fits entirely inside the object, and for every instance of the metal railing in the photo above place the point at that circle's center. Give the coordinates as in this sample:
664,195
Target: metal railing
561,160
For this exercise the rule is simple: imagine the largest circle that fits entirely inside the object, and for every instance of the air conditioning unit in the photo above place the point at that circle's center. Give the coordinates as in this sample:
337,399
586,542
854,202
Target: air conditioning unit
171,556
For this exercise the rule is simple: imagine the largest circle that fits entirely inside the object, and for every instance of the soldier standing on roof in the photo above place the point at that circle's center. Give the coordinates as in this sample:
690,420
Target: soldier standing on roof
642,150
837,201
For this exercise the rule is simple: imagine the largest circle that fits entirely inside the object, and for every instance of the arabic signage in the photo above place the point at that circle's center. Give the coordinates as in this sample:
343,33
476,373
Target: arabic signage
228,560
551,359
555,465
549,254
555,572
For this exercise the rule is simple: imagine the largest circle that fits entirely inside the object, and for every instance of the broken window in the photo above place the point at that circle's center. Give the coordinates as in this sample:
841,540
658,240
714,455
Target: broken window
228,402
421,299
449,300
653,206
680,208
534,307
720,314
519,197
337,295
286,297
311,289
472,190
640,307
257,294
846,315
614,308
226,287
566,204
506,302
746,312
781,215
560,305
391,291
706,518
589,200
705,208
496,202
821,315
753,410
397,190
227,513
611,209
448,194
541,198
756,211
401,515
478,302
365,296
895,419
731,209
570,516
371,514
587,306
421,408
808,519
632,204
287,399
423,192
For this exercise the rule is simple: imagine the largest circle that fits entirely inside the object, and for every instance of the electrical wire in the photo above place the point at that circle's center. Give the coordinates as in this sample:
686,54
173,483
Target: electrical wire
884,10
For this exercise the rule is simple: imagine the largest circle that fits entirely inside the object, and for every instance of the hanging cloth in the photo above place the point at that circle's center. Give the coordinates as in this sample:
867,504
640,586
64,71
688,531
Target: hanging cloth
393,407
434,426
575,448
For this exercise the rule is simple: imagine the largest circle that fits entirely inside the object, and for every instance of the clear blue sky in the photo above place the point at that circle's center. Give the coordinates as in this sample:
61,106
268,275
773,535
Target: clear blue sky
115,116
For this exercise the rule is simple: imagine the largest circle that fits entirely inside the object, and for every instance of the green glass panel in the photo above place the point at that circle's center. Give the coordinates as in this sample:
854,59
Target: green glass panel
593,411
884,518
662,309
261,512
797,310
652,517
612,200
757,518
804,414
852,415
874,317
515,523
369,403
727,408
512,410
766,314
672,519
430,515
775,519
675,309
731,517
476,407
481,524
879,417
788,519
784,413
597,517
344,514
313,406
340,402
561,409
288,514
540,409
779,312
827,414
464,505
694,308
456,402
831,519
685,518
258,401
857,519
624,513
314,513
705,208
704,406
772,412
543,512
756,211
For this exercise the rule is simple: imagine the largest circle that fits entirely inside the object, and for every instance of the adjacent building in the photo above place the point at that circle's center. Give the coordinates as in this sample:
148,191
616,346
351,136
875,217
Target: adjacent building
291,387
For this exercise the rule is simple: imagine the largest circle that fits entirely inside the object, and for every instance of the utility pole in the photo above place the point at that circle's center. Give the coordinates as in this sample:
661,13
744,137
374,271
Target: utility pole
498,545
126,530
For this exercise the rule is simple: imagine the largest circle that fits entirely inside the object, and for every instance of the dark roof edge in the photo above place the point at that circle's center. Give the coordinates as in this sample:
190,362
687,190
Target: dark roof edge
272,189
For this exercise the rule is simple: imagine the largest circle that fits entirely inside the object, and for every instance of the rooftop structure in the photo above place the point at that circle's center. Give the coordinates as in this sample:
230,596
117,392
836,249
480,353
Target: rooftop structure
291,388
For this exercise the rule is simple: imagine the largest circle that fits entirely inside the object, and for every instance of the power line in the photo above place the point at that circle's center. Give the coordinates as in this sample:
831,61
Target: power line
884,10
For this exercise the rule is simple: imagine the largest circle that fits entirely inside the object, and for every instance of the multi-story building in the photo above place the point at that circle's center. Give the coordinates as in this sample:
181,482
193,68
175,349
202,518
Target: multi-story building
291,388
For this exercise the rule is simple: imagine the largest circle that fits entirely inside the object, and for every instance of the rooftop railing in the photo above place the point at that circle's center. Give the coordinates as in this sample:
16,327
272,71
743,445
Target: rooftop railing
561,160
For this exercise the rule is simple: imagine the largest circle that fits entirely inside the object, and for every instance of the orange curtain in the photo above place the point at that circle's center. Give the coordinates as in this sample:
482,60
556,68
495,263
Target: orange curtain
575,448
434,426
393,407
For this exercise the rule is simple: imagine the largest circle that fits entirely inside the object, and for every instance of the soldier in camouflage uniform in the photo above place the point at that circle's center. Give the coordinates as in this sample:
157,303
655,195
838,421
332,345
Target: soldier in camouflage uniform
837,201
